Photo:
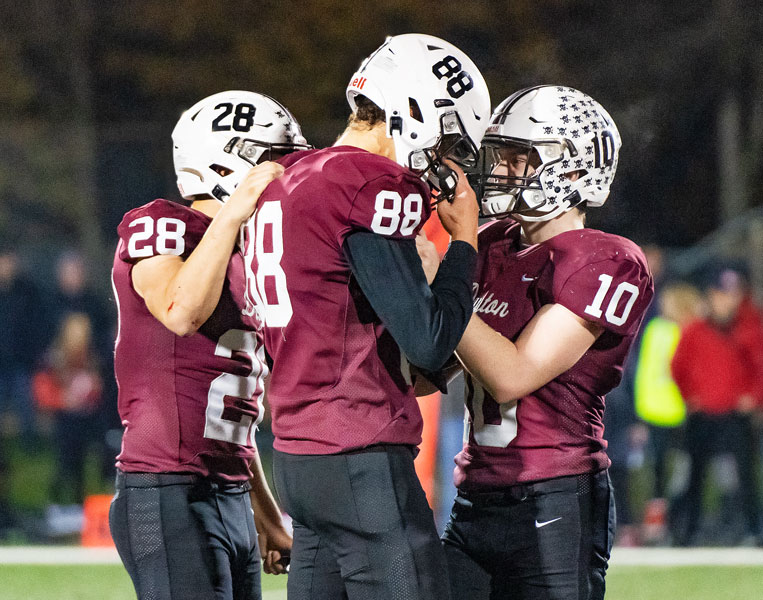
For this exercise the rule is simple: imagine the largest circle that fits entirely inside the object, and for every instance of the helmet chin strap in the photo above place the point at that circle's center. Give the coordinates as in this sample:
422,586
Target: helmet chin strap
447,181
219,192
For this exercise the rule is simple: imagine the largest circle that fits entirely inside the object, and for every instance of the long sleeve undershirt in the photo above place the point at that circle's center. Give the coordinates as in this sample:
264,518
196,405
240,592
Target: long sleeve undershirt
426,321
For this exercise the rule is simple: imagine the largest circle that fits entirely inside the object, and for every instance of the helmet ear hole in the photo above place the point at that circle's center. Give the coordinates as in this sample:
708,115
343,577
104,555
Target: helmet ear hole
221,170
415,111
575,175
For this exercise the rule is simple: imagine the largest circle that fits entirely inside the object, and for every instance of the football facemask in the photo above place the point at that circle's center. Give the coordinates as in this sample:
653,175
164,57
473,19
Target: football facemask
211,159
430,90
453,144
571,147
508,177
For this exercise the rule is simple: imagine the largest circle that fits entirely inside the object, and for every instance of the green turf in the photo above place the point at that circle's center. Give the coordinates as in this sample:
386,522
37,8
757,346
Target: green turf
99,582
697,583
87,582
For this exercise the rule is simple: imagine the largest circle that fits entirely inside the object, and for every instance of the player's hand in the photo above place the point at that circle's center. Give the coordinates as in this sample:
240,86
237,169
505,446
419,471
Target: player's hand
243,201
460,217
275,550
430,258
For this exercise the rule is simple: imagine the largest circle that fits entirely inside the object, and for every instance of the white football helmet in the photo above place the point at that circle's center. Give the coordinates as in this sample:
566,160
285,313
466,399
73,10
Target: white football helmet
561,131
221,137
435,99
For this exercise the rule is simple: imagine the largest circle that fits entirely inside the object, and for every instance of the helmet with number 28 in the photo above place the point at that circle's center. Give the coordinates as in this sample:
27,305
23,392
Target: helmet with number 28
436,103
571,147
221,137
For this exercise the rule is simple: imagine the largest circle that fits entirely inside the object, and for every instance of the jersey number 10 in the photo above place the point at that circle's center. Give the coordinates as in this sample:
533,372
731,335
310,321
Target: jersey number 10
595,308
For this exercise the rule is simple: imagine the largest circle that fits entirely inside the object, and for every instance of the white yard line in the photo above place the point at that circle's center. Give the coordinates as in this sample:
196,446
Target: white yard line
625,557
675,557
57,555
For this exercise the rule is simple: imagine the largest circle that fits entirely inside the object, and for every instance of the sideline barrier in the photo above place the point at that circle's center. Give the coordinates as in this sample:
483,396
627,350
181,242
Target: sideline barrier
95,529
426,461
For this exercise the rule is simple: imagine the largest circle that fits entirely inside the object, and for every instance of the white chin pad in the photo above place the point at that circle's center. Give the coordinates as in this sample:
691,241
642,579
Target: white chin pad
498,203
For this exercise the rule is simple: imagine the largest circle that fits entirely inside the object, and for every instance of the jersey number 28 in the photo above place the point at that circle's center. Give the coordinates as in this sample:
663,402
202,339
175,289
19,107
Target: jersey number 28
238,390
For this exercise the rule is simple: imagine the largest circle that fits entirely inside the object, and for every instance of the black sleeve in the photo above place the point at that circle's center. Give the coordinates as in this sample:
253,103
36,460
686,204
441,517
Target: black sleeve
426,322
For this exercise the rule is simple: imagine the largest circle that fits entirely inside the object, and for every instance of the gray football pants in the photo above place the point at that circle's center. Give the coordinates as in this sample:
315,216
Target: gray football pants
362,527
183,541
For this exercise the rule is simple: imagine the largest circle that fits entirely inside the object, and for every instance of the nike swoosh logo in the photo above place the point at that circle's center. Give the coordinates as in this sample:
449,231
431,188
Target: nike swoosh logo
538,524
526,278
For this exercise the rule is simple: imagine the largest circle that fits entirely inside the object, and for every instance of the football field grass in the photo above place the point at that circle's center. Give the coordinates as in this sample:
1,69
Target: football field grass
624,582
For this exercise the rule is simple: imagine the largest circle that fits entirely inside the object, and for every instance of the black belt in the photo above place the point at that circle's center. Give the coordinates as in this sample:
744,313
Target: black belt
403,448
149,480
580,484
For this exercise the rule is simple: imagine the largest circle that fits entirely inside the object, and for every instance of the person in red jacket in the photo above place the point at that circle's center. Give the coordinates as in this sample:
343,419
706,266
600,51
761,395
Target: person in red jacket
718,379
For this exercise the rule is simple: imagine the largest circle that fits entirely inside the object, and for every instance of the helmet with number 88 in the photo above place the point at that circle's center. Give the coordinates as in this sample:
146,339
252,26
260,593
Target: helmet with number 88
435,100
571,147
218,139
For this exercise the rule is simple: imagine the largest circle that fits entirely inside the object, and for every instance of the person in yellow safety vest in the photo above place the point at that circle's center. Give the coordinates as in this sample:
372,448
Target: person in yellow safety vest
657,399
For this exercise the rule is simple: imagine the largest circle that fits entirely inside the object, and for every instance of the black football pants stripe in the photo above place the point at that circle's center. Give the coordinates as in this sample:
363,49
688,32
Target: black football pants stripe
179,543
362,527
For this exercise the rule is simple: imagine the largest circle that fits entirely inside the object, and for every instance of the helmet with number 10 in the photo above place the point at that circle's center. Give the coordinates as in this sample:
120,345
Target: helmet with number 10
435,99
571,146
221,137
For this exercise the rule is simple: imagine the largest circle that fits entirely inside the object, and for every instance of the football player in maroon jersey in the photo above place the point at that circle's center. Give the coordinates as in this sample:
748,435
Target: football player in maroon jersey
556,307
190,364
335,273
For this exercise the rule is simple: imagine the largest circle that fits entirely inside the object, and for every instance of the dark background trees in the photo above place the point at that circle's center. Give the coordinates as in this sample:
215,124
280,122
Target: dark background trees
90,92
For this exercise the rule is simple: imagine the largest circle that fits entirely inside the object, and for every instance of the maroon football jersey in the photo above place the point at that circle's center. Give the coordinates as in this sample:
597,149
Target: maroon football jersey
557,430
187,404
338,380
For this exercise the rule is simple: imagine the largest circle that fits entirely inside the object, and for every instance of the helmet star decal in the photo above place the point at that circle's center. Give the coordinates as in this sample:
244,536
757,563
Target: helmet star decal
567,145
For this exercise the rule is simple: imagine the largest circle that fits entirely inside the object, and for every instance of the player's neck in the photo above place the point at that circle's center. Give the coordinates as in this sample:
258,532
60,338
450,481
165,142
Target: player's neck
373,140
537,232
209,207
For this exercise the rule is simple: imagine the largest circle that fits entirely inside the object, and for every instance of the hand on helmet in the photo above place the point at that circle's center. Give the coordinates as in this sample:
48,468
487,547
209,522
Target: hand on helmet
243,201
460,217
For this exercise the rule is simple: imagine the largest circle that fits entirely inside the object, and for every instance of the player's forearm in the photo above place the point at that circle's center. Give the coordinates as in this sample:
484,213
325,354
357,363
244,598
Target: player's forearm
425,321
550,344
492,360
267,515
501,367
446,313
467,235
194,292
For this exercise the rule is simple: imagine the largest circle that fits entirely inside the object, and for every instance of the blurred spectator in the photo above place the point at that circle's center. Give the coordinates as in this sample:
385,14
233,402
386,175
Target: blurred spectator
626,436
714,371
624,450
74,294
20,346
658,400
69,387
